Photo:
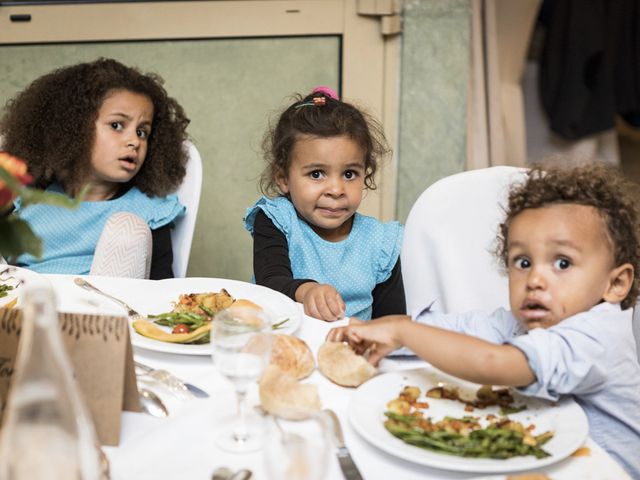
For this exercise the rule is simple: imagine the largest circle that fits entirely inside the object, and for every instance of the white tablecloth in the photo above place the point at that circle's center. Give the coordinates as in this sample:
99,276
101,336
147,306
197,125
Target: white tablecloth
183,444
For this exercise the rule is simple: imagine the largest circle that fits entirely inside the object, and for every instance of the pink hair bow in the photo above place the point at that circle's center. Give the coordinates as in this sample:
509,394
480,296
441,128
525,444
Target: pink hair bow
327,91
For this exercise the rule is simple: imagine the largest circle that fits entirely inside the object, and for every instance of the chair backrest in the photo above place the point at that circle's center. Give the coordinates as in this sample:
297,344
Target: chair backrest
189,194
449,240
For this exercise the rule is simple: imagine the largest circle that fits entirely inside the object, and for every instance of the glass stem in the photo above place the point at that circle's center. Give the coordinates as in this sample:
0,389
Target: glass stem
240,433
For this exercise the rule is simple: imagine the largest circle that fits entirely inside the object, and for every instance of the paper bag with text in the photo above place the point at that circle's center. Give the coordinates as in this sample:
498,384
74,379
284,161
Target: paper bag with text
100,351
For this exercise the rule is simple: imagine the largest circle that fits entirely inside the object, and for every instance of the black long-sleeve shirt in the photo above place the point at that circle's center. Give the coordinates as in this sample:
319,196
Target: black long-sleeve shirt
272,268
161,253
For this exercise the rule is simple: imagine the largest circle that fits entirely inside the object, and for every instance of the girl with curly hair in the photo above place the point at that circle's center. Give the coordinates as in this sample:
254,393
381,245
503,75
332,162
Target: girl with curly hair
571,246
108,129
310,242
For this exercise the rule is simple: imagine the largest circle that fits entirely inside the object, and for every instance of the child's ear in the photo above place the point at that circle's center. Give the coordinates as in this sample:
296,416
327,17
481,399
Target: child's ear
620,281
281,181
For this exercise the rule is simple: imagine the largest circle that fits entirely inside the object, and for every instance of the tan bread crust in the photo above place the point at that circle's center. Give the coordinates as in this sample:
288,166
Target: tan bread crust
340,364
283,396
244,303
292,355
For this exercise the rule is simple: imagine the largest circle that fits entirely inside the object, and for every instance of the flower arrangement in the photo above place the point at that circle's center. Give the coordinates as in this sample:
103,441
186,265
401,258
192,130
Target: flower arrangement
16,236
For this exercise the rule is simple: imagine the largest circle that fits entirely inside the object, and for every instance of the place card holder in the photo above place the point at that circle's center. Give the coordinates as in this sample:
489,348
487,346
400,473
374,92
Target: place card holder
100,351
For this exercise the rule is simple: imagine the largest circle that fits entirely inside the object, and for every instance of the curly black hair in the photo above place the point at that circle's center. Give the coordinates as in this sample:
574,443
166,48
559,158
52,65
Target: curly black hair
51,125
324,119
593,185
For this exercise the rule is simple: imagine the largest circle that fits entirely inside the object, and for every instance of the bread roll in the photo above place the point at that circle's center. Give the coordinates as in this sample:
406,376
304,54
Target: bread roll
292,355
340,364
243,302
282,395
244,311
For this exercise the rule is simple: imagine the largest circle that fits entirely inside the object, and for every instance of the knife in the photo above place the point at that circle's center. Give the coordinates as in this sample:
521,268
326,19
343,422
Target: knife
348,466
198,392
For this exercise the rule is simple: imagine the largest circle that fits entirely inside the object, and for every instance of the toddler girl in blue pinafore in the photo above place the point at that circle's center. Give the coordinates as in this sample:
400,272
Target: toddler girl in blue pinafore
310,242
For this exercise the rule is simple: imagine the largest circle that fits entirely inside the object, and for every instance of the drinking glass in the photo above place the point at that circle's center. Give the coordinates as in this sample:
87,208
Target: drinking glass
297,450
241,340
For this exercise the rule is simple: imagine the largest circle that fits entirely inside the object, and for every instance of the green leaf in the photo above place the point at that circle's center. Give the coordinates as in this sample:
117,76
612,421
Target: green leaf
16,237
10,180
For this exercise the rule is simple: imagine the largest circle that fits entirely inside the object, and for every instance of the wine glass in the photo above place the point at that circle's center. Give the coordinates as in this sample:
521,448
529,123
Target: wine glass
241,340
297,450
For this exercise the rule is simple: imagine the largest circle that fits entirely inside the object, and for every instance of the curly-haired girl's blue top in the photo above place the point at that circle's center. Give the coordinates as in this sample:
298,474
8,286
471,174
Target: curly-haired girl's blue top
70,236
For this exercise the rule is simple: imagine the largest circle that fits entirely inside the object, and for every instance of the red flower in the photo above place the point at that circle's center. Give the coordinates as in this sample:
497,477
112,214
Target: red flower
16,168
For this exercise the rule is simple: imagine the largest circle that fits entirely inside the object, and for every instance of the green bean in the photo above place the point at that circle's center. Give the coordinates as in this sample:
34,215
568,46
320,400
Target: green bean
207,310
489,442
279,325
171,319
5,289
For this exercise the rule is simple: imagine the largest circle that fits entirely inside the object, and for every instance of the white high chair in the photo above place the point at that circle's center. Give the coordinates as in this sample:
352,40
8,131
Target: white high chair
449,238
189,195
450,234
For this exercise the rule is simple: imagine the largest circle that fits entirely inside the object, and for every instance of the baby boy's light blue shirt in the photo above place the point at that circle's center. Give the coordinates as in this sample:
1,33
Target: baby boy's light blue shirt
591,356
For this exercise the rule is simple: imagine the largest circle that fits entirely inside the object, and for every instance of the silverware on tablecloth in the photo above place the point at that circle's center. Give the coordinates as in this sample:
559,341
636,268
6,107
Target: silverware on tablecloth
347,465
152,404
243,474
82,283
175,384
221,473
224,473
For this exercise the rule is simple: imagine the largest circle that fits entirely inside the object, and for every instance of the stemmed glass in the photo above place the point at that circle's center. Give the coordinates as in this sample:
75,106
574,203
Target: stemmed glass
297,450
241,340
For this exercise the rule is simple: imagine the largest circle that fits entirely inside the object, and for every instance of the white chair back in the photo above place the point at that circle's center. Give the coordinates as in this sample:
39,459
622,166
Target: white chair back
449,240
189,194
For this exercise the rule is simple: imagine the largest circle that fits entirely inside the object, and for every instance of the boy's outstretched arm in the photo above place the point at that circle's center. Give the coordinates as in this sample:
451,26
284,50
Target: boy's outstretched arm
460,355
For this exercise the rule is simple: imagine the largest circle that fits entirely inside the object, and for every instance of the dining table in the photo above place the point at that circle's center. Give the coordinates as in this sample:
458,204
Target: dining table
183,444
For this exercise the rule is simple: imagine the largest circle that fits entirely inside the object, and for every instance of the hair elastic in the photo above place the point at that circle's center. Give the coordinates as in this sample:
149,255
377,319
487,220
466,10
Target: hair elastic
320,101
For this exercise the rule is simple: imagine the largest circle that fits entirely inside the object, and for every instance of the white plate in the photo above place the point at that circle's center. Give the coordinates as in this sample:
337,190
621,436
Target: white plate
159,298
18,278
367,406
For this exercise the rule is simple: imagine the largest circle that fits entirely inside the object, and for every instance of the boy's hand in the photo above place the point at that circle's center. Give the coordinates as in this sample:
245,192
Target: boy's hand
380,336
321,301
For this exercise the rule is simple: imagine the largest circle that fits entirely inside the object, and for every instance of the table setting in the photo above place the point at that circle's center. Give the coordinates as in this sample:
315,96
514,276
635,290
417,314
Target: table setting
189,426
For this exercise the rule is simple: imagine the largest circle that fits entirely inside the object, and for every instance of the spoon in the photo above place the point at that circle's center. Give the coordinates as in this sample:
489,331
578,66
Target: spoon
152,404
222,473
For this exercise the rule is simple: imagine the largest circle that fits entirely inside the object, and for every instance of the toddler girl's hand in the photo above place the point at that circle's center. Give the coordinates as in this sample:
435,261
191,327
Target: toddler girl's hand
321,301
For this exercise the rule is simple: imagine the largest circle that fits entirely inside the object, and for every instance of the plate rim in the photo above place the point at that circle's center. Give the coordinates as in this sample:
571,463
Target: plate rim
26,276
411,453
140,341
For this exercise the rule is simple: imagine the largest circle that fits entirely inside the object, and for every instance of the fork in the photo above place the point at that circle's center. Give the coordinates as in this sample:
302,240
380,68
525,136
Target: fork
6,275
174,384
82,283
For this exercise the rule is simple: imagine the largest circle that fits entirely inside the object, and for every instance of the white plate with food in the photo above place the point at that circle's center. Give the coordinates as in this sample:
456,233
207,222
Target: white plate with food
565,420
12,284
9,291
161,297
